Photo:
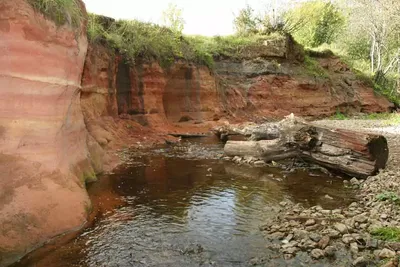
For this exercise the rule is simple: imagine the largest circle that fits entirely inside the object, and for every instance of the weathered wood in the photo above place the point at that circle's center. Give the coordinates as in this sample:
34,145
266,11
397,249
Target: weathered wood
353,153
268,150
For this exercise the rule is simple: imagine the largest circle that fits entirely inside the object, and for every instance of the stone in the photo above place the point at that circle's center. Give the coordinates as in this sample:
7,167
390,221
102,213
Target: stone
283,203
259,163
354,248
300,234
354,181
360,262
315,237
289,237
362,218
372,243
330,251
324,242
347,238
277,235
342,228
331,233
386,253
317,254
310,222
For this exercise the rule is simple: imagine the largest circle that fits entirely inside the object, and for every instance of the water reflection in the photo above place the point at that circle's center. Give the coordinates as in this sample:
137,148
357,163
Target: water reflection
168,209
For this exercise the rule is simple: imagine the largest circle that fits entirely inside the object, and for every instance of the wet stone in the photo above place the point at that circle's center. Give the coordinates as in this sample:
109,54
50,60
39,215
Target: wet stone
360,262
342,228
330,251
315,237
354,248
386,253
324,242
310,222
317,254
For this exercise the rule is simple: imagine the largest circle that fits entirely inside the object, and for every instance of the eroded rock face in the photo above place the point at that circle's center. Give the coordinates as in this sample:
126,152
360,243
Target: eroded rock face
44,157
272,86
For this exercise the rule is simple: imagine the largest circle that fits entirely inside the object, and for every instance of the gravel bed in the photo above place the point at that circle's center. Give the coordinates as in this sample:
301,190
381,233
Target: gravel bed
331,234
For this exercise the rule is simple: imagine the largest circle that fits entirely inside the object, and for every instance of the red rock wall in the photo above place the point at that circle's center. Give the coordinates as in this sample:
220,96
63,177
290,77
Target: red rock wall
44,155
254,88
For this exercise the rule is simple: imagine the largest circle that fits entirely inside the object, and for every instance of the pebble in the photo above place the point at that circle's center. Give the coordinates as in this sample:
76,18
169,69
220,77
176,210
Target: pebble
317,253
362,218
360,262
342,228
354,248
324,242
354,181
347,238
386,253
330,251
315,237
310,222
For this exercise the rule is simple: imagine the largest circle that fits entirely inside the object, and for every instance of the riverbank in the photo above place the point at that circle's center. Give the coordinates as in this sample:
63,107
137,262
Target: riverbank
367,229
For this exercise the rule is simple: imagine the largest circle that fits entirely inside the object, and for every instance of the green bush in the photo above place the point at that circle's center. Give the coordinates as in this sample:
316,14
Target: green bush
60,11
318,22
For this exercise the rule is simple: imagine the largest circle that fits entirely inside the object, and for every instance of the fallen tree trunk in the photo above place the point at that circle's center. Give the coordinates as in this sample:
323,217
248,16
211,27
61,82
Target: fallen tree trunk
353,153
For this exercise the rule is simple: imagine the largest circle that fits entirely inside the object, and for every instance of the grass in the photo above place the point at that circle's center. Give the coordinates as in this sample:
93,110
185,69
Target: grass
389,119
149,41
339,116
313,68
387,234
391,196
60,11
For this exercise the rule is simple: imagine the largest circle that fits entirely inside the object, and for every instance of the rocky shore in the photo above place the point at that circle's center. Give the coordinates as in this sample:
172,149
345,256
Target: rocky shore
365,230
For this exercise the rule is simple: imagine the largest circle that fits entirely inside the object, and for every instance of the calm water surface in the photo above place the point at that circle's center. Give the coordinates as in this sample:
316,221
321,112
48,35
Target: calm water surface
183,206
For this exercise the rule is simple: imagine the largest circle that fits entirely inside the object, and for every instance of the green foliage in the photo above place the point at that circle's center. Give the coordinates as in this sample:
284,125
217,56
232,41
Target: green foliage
60,11
313,68
387,233
339,116
321,22
172,18
246,22
230,46
391,196
95,30
148,41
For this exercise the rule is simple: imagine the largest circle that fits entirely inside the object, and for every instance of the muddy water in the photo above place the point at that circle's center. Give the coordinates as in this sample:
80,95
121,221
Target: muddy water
184,206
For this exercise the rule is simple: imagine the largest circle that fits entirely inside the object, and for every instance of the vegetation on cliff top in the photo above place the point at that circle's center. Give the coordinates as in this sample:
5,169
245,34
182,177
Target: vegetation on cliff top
60,11
150,41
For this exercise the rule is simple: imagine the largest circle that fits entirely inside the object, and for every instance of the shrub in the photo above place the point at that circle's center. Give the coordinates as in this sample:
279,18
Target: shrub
60,11
320,22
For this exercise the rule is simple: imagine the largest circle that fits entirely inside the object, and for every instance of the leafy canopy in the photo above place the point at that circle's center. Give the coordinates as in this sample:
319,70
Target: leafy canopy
321,22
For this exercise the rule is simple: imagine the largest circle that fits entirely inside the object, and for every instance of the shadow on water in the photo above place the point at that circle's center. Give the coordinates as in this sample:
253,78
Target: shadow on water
184,206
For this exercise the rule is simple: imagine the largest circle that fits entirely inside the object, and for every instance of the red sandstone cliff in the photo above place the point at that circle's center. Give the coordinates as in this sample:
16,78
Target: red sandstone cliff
44,157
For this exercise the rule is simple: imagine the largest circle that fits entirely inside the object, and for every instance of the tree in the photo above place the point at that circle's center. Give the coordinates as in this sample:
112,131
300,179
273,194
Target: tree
246,22
173,19
380,21
317,22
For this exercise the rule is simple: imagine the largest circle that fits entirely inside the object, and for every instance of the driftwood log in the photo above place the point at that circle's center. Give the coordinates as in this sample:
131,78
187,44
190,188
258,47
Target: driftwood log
353,153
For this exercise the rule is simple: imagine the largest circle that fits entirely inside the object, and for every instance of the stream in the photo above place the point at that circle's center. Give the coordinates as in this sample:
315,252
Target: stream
182,205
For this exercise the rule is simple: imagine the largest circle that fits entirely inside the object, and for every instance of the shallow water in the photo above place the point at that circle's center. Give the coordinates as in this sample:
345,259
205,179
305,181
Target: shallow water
184,206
